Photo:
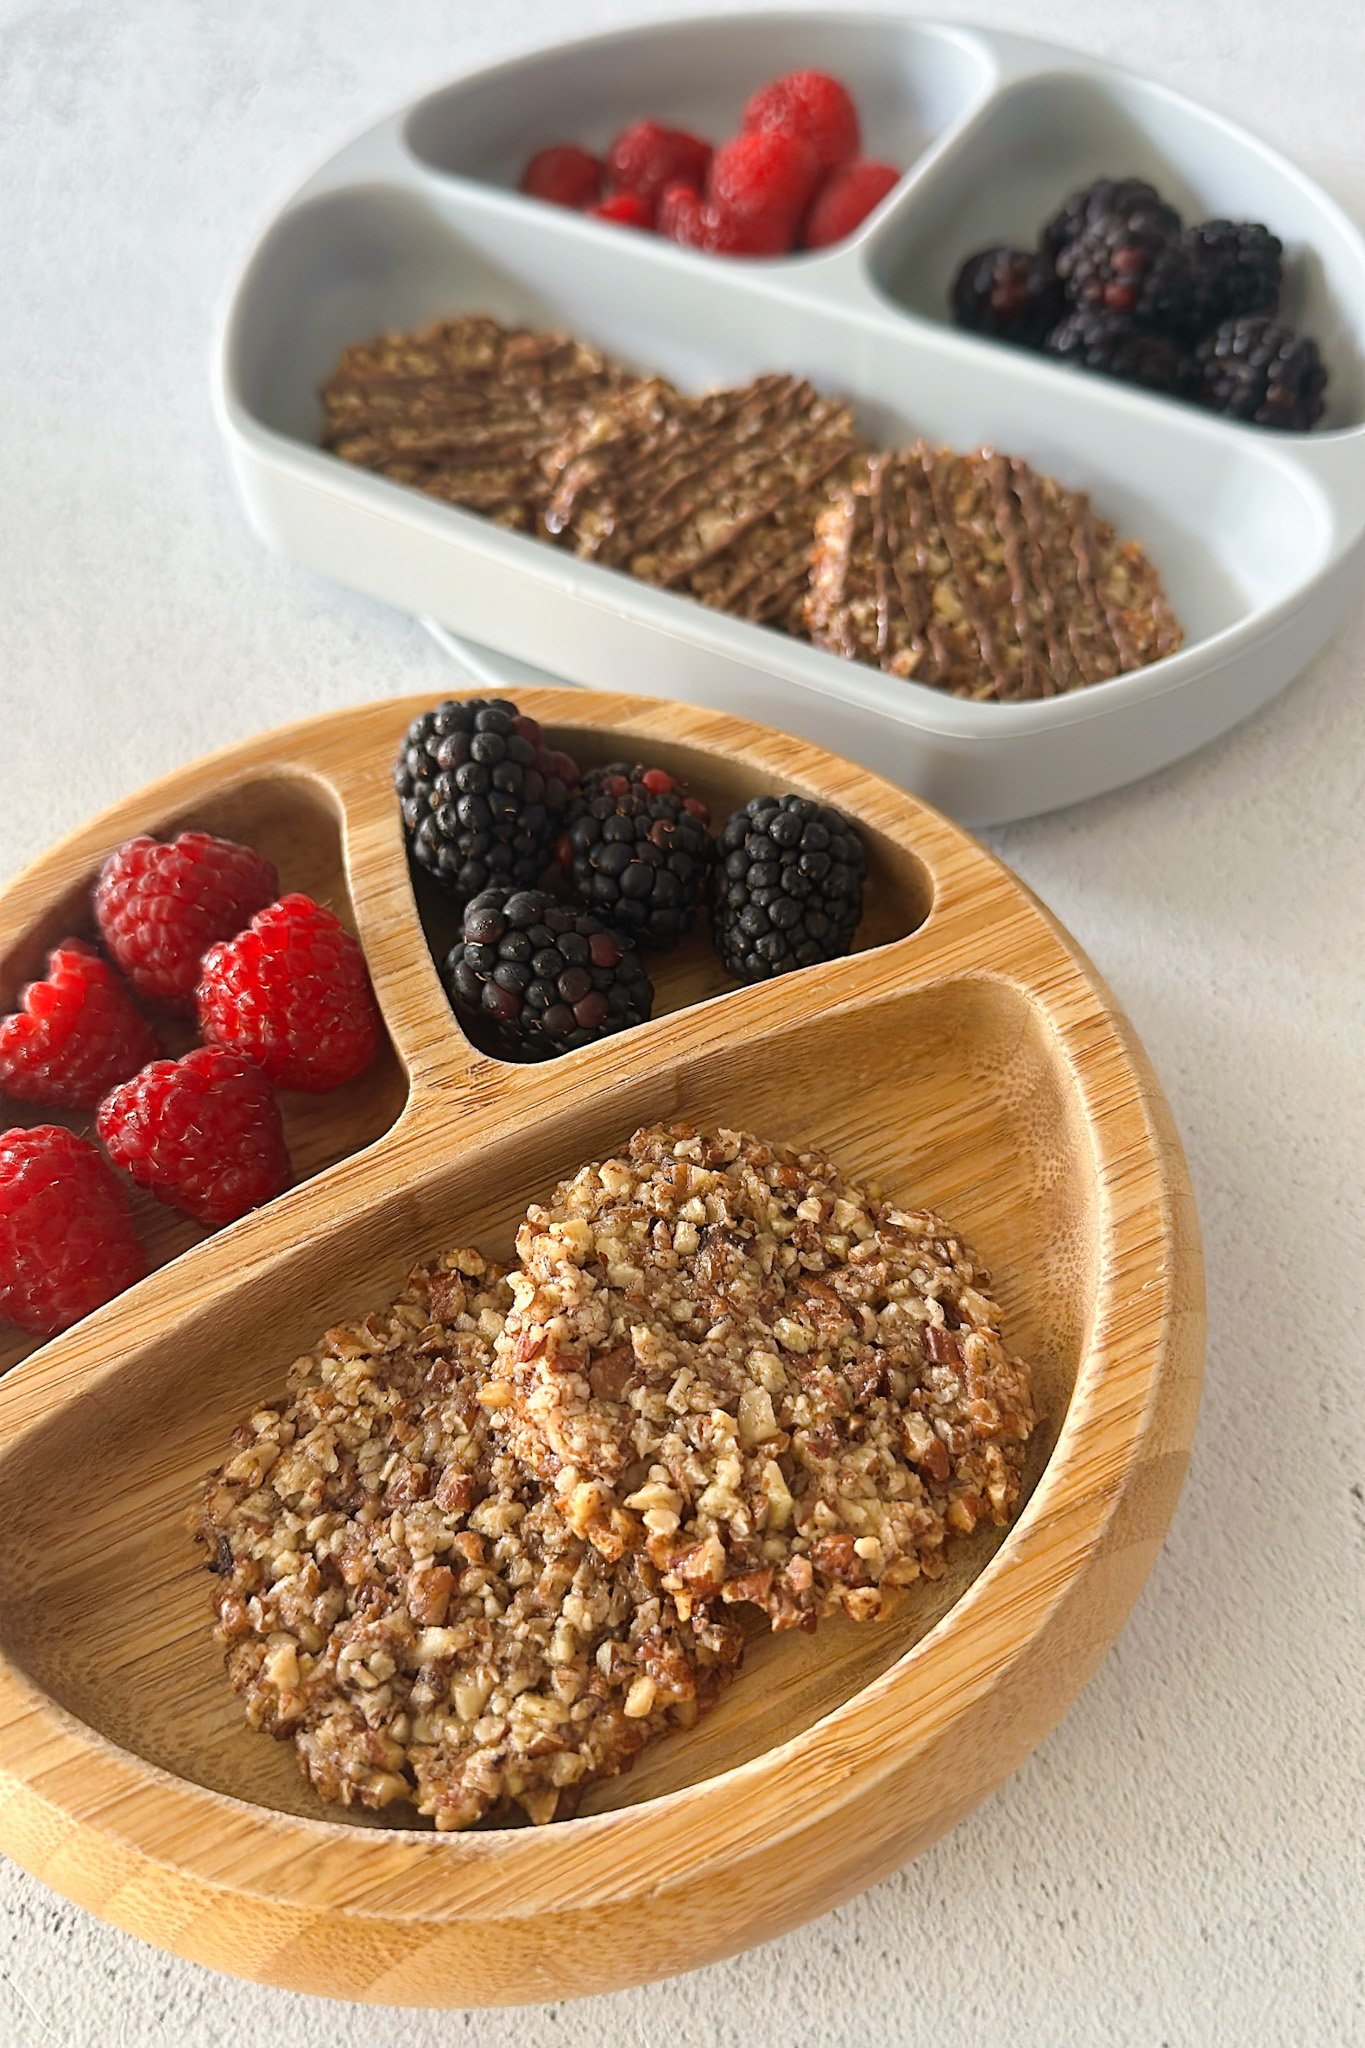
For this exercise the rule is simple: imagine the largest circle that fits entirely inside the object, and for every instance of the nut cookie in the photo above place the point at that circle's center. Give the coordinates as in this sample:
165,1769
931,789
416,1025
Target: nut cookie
717,495
979,575
464,409
397,1596
780,1387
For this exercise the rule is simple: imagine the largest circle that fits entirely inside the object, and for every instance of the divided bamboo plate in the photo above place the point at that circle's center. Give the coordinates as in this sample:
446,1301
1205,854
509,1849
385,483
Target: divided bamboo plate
966,1056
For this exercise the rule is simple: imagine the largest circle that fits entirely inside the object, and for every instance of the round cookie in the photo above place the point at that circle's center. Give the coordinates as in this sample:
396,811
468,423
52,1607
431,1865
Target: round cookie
397,1596
780,1387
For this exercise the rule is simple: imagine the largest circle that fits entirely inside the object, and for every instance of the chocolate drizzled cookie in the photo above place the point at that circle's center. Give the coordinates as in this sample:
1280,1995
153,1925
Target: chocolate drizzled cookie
716,495
982,577
466,409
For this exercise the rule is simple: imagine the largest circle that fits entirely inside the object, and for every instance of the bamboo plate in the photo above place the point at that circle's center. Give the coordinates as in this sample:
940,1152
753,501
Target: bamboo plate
966,1055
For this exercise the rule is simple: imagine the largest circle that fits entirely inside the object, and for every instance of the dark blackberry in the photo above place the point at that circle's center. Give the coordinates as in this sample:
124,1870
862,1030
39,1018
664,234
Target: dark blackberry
1129,200
539,977
1237,270
1254,369
1011,294
790,887
1116,346
1137,270
481,795
637,850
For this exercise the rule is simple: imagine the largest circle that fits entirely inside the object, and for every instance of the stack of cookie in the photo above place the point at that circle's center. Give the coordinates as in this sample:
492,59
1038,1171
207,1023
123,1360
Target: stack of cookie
972,573
496,1537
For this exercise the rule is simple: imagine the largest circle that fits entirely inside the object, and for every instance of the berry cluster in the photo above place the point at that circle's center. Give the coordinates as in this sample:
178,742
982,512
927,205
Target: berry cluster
549,953
791,179
1118,284
281,997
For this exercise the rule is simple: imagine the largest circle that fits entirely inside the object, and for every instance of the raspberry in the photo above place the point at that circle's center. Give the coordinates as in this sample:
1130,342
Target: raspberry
292,992
74,1034
766,178
812,105
845,200
160,907
647,157
564,174
629,208
204,1133
678,215
67,1241
699,224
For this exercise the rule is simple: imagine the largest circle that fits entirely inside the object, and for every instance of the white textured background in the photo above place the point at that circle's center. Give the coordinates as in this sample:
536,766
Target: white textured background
1182,1861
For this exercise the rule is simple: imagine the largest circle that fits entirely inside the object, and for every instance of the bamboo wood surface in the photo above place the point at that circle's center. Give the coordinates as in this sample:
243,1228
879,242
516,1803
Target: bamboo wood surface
966,1056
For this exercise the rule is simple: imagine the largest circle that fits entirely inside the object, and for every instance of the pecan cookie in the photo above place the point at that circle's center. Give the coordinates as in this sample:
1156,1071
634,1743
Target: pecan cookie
464,409
779,1386
982,577
716,495
396,1595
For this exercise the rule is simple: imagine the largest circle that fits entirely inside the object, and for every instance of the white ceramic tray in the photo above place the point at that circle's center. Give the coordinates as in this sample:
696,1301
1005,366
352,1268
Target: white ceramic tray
1260,536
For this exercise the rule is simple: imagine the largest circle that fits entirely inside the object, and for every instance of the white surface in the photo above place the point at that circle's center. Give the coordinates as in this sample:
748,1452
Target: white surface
1259,537
1181,1863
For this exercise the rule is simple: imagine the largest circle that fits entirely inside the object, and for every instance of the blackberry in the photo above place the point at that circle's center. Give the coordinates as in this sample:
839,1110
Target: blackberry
481,795
540,976
1137,270
1254,369
790,888
1129,200
1237,269
1011,294
637,851
1111,343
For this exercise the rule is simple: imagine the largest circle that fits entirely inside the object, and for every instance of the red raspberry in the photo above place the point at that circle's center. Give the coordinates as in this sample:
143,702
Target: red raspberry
564,174
698,224
812,105
292,992
160,907
67,1241
679,215
767,178
204,1133
73,1035
845,200
647,157
627,207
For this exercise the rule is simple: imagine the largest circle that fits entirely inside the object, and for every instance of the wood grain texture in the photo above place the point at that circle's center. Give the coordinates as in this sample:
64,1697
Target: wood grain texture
967,1056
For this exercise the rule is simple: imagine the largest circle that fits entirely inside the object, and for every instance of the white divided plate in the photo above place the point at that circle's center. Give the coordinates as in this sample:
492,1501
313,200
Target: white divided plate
1259,535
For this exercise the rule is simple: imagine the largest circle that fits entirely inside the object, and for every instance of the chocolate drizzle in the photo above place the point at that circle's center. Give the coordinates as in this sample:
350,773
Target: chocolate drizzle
974,573
980,576
465,409
716,495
